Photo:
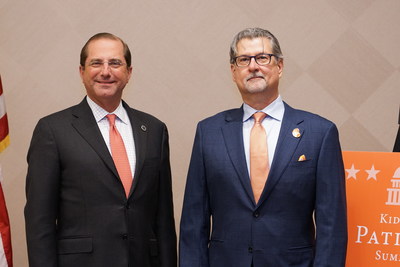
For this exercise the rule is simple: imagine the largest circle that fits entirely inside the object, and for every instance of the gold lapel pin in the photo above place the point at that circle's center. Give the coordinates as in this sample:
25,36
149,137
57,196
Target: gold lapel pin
296,132
302,158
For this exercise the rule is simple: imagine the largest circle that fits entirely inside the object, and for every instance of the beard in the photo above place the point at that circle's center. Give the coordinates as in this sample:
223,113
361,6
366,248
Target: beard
255,83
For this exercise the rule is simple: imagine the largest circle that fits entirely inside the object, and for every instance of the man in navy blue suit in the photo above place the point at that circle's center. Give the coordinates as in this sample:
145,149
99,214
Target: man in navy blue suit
298,218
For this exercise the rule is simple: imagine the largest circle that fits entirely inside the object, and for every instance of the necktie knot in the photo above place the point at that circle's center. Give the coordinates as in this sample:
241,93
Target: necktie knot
259,116
111,119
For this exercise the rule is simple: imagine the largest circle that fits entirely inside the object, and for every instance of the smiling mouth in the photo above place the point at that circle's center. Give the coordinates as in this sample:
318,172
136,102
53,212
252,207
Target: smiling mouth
105,82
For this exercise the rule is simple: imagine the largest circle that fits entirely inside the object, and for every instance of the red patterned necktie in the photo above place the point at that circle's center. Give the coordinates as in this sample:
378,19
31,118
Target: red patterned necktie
119,155
259,164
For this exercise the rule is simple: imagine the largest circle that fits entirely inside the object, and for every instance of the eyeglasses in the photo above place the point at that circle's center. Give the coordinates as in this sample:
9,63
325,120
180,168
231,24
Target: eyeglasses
113,63
261,59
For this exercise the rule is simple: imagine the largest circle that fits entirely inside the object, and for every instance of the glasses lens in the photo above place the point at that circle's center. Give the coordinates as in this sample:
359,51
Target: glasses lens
243,61
115,64
263,59
96,64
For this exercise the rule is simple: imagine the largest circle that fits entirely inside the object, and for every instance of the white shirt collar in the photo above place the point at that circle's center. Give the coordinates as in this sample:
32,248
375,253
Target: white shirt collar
274,110
100,113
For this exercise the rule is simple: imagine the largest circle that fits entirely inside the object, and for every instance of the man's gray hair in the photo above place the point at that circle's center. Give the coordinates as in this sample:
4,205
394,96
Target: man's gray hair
251,33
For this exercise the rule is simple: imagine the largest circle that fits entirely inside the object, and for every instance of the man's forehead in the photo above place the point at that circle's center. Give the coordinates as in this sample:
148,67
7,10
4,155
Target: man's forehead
246,43
105,47
105,43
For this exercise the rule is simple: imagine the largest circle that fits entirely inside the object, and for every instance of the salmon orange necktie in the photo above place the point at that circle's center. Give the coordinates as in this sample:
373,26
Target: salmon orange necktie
119,155
259,164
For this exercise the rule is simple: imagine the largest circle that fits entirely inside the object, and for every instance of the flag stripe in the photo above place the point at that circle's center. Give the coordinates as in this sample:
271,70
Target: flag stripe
3,259
3,127
5,229
4,138
2,106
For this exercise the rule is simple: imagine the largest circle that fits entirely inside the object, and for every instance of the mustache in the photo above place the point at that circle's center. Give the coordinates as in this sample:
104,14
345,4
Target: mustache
255,75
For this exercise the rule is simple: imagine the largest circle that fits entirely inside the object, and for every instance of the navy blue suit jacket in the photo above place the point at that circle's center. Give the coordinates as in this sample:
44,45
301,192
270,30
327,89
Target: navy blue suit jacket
222,225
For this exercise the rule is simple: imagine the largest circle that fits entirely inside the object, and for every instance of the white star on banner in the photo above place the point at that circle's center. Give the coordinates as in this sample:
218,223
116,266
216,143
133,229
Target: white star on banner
372,173
352,172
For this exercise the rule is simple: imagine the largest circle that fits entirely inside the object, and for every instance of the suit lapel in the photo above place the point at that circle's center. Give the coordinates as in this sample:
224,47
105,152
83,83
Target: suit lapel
233,136
85,123
139,129
87,127
286,146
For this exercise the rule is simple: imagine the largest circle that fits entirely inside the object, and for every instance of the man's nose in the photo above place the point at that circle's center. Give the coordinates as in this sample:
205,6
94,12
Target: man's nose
253,65
105,69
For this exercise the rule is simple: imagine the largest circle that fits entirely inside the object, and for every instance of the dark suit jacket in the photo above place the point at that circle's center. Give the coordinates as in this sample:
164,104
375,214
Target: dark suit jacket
396,147
77,214
279,230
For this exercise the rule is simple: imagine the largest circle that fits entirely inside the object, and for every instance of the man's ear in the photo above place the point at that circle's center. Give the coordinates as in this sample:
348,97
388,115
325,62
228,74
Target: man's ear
81,70
233,70
130,70
280,67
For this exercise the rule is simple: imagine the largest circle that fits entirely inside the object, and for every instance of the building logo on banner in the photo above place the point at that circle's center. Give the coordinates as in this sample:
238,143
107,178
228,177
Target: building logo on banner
394,193
373,208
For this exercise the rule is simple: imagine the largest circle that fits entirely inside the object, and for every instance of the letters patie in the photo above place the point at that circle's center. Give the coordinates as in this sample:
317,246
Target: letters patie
373,204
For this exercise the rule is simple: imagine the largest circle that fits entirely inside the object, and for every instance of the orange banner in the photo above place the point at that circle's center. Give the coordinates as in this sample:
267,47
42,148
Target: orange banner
373,208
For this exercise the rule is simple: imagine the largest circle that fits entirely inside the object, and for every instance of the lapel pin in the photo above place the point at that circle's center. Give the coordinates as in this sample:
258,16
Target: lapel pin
296,132
143,128
302,158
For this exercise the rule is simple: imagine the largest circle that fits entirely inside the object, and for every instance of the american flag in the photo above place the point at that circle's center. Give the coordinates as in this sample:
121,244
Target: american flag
5,238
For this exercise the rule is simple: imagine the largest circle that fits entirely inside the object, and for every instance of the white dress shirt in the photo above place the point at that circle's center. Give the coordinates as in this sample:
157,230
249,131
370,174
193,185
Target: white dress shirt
123,125
271,123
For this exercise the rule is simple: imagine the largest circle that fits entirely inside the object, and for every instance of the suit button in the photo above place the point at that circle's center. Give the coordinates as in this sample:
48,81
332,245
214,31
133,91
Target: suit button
250,250
256,214
124,236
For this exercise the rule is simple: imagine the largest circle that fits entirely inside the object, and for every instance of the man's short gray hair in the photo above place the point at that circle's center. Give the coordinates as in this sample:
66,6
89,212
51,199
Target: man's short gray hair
251,33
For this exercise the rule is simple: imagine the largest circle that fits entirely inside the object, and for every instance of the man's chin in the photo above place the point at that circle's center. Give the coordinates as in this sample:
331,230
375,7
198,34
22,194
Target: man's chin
256,85
105,86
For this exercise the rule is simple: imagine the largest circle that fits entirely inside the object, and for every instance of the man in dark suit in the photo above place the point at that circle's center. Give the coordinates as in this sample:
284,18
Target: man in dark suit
238,213
78,212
